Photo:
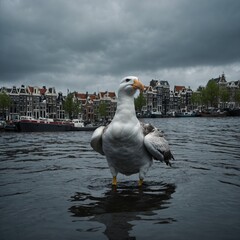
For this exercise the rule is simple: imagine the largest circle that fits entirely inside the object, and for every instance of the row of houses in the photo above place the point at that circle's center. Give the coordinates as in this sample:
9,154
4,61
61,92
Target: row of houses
161,100
45,102
33,102
232,88
91,104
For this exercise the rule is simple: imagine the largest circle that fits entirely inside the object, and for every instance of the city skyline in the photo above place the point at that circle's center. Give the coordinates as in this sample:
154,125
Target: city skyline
67,90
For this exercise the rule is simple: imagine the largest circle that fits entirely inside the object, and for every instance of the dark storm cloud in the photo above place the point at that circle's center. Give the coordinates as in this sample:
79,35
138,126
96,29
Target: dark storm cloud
186,33
63,41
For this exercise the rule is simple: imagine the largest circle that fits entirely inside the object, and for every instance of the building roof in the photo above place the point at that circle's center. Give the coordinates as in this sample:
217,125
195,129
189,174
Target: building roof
178,88
107,94
41,91
30,89
220,79
164,83
92,96
84,96
154,83
80,95
148,89
234,84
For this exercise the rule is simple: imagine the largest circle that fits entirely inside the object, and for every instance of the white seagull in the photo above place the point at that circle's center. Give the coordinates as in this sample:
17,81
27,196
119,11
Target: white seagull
129,145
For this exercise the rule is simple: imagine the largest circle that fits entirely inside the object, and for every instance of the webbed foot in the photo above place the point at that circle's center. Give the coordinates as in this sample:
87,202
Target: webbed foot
114,181
140,182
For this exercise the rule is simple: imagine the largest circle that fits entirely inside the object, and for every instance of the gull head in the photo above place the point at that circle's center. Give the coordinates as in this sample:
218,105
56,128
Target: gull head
129,85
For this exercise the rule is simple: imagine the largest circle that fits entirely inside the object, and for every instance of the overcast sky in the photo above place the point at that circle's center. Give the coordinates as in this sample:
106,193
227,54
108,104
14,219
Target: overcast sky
90,45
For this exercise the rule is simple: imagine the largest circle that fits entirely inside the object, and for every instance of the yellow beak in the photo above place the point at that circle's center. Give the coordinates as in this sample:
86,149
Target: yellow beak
138,85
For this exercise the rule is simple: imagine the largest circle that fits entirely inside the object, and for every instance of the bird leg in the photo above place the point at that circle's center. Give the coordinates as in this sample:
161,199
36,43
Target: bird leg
114,181
140,182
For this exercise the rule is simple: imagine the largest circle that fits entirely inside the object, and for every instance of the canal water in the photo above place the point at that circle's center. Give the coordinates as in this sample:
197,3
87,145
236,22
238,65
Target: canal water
54,186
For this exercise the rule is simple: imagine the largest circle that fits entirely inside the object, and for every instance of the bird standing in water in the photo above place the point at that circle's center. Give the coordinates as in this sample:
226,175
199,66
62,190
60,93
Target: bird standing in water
129,145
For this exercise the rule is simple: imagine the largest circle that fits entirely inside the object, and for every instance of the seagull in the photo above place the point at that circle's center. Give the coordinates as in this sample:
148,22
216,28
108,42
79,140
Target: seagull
128,144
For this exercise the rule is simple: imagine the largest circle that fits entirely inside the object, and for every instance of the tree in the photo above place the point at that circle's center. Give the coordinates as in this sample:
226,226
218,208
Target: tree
71,106
103,110
224,95
212,93
202,98
139,102
5,102
237,96
76,108
196,99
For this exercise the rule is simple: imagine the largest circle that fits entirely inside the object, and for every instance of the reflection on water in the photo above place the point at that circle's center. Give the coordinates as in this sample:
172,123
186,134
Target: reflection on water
121,205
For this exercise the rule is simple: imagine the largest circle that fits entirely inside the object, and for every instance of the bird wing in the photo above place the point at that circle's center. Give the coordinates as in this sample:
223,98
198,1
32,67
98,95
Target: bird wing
96,140
156,144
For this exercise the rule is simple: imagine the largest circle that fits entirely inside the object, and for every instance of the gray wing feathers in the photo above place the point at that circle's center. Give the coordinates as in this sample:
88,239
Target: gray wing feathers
157,146
96,140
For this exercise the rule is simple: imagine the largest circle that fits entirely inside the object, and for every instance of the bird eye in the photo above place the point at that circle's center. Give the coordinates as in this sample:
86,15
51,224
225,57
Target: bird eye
127,80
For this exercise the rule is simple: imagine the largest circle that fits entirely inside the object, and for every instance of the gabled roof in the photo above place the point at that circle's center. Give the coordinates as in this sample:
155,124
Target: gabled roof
42,90
92,96
23,90
101,94
153,82
112,94
80,95
51,91
84,96
148,89
5,89
164,83
220,79
30,89
234,84
14,90
178,88
237,83
107,94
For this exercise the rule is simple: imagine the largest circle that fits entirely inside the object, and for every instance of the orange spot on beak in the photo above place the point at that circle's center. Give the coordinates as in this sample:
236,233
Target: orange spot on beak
138,85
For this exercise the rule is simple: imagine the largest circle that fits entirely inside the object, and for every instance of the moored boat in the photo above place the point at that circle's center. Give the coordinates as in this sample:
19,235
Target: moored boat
29,124
2,125
185,113
78,125
11,127
214,113
234,112
156,114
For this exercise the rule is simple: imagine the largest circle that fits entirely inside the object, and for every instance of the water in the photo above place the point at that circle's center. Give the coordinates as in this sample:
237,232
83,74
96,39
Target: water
54,186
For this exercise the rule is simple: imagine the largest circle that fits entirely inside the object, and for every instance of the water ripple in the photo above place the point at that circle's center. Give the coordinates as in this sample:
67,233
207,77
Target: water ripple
56,181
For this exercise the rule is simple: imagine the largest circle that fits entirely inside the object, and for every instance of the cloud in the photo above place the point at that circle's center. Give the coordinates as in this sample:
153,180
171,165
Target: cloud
93,44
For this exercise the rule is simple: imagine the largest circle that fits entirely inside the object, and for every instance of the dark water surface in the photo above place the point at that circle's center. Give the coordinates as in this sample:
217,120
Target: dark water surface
54,186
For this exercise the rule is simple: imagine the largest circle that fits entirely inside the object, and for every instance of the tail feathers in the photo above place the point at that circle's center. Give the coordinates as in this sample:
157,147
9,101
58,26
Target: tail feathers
167,157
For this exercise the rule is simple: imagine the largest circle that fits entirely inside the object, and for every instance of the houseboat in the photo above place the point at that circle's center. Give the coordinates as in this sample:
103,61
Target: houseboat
29,124
185,113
